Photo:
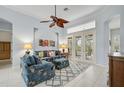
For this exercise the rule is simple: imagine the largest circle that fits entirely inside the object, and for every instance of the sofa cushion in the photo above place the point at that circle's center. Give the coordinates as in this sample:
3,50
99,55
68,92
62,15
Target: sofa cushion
37,60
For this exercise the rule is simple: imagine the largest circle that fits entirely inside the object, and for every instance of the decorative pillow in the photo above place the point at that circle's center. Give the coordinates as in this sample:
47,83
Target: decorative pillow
45,53
53,53
41,55
37,60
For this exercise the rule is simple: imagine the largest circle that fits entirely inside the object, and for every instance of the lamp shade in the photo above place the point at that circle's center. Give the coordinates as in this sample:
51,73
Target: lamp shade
63,46
28,46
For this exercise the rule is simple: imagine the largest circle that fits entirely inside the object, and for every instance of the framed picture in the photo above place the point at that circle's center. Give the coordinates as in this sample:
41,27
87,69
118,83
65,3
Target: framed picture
40,42
52,43
45,42
49,42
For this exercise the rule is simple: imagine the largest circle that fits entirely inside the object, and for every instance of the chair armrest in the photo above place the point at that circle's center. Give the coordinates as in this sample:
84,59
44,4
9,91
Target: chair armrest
37,67
24,67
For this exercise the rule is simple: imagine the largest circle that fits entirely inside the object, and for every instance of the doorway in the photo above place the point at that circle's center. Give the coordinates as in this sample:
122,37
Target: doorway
89,50
111,36
82,45
5,42
114,34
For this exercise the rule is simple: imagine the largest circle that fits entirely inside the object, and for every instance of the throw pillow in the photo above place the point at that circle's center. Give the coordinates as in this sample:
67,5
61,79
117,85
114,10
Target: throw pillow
41,55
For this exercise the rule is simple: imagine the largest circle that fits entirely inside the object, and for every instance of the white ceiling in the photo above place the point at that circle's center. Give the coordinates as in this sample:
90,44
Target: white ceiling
43,12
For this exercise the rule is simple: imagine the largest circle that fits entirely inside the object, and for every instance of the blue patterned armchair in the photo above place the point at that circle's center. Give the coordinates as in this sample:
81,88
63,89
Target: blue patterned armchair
34,71
59,61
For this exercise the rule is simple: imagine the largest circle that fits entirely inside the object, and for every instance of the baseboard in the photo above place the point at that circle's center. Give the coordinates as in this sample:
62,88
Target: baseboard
101,65
5,60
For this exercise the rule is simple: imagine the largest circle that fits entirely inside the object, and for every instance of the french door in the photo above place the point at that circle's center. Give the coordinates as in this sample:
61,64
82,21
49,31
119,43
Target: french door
70,48
83,46
89,48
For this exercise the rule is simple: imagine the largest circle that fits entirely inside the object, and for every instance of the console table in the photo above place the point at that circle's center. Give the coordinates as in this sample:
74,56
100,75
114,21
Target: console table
116,70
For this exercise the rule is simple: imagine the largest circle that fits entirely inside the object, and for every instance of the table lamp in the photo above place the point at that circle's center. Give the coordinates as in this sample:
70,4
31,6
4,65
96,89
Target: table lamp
63,46
28,46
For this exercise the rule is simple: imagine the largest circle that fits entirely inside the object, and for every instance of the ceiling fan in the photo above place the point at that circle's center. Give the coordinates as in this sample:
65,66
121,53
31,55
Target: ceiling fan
56,20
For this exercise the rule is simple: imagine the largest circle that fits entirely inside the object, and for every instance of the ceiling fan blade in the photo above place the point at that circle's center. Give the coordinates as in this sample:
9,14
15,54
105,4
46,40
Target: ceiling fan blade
63,20
52,24
55,19
46,21
60,24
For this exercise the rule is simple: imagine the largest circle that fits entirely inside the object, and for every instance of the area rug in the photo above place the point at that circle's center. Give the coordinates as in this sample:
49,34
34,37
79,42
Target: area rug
66,75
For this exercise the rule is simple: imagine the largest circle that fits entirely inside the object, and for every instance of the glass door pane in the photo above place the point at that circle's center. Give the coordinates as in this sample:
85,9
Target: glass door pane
70,45
89,47
78,45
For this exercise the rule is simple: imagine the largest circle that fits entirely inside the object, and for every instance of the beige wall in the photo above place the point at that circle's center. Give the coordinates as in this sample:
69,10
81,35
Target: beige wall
5,36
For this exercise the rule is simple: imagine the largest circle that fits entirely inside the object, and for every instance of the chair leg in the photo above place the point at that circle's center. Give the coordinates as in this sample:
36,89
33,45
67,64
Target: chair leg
60,78
67,74
46,82
53,81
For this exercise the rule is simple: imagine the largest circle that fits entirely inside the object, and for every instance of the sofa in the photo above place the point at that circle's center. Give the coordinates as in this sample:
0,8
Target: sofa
47,53
35,71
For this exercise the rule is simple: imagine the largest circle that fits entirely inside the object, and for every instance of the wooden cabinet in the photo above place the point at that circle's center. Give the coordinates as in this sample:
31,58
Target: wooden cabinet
5,50
116,70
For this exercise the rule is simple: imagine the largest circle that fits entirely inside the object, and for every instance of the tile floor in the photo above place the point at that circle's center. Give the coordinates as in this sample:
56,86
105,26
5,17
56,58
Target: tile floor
94,76
67,74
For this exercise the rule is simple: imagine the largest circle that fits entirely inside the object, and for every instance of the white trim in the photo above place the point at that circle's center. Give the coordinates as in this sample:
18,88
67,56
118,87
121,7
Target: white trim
82,27
5,30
